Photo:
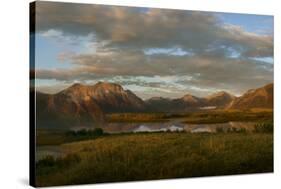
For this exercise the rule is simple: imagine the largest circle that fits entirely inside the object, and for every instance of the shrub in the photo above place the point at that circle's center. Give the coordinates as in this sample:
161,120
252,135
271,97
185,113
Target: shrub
68,160
98,131
86,133
48,161
50,164
219,130
236,130
242,130
266,127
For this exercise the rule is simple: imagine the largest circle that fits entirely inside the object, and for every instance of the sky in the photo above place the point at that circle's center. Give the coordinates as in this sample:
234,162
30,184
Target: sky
152,52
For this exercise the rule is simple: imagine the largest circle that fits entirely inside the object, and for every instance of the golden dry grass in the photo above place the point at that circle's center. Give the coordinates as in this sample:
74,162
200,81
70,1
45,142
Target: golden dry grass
149,156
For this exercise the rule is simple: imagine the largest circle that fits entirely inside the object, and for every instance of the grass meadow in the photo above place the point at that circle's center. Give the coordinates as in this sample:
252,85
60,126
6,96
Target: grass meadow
146,156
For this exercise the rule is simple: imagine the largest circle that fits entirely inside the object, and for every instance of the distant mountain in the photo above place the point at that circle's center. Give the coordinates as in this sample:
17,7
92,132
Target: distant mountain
113,98
159,104
83,104
219,100
191,100
110,97
254,98
188,102
66,109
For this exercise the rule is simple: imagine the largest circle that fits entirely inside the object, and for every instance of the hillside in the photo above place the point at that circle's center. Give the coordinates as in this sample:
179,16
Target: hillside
81,104
87,104
254,98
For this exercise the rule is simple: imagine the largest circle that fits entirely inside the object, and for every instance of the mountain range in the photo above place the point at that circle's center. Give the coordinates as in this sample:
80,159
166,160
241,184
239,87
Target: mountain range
82,104
189,102
254,98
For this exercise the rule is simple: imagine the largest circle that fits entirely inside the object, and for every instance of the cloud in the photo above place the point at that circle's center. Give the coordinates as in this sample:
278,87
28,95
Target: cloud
127,27
235,75
251,44
160,51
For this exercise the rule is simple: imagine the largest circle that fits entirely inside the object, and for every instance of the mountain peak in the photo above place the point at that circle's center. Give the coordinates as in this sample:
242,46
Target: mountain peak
104,83
74,88
189,97
219,99
157,98
76,85
255,98
220,94
106,86
92,90
270,86
113,98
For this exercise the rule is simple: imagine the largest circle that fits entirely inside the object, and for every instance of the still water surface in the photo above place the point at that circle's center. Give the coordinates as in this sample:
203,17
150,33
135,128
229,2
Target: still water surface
58,151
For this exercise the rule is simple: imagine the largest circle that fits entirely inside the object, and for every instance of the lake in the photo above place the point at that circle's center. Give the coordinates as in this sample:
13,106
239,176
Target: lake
174,126
114,128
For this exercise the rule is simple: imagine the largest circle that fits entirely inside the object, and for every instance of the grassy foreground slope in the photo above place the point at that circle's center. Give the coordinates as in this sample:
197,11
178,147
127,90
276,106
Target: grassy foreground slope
146,156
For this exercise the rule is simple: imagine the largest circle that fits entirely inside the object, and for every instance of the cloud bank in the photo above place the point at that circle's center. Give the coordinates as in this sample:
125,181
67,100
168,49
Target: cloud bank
146,49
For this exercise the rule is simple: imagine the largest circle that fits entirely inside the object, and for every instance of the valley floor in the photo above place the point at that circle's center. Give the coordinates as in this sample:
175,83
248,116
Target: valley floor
147,156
